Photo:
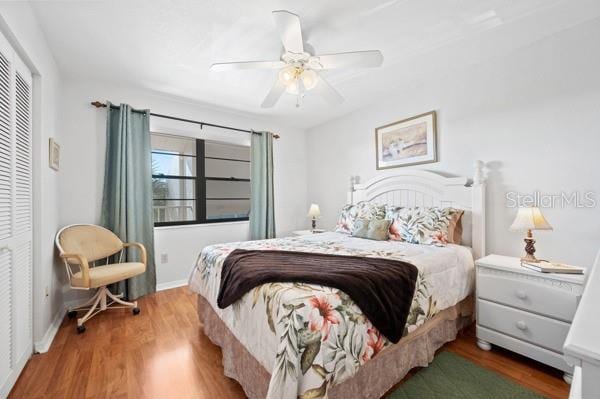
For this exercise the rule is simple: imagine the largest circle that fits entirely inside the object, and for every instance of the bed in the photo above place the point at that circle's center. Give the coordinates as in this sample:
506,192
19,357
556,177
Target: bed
296,340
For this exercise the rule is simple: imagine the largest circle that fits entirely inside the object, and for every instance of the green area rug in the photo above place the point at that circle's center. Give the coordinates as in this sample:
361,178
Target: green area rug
451,376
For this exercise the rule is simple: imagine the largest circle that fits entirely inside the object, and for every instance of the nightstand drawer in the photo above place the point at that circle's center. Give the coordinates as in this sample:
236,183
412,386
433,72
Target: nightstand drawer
539,330
526,294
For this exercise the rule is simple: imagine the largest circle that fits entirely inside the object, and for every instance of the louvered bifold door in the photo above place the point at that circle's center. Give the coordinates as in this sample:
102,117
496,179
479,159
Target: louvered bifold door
5,150
16,335
6,214
21,250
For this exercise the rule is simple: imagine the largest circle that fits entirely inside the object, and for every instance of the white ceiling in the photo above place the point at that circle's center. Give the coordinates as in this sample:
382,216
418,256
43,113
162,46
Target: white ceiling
168,45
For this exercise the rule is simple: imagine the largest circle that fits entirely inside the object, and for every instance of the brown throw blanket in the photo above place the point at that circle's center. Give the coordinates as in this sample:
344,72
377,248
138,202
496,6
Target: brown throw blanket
382,288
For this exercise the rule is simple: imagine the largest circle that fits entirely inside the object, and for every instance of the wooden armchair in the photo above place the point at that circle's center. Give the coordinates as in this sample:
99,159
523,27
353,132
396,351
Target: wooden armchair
80,246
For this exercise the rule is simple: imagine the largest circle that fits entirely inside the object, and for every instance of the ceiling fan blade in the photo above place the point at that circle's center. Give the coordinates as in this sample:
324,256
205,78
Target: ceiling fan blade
288,25
325,90
274,94
230,66
357,59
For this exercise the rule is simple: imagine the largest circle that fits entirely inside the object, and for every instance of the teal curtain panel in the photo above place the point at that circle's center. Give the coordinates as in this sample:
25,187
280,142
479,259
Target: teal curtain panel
127,195
262,208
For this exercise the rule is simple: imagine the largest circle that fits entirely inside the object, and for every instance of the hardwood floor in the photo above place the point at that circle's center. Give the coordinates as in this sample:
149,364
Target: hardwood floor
162,353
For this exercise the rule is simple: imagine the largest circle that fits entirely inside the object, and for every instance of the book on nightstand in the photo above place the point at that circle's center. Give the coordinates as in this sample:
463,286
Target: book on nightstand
553,267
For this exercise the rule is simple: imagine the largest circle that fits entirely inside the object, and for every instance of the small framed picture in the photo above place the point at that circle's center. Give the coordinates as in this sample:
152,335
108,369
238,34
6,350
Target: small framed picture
54,154
410,141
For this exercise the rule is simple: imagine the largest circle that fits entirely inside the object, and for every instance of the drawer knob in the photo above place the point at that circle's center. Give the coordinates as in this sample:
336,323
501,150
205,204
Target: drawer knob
521,325
521,294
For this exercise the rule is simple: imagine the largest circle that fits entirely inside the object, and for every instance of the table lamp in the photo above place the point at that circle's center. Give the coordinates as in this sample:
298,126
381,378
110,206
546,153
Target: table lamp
314,212
528,219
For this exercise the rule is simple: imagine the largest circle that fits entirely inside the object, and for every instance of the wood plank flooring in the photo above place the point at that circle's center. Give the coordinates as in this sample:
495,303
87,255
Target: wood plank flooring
163,353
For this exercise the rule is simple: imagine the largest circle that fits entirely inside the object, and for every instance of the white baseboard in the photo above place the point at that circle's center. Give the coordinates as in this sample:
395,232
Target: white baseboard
43,345
171,284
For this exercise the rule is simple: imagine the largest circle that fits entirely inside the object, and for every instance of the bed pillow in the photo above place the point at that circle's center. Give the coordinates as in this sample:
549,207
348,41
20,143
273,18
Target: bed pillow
346,220
360,228
425,225
379,229
369,210
455,229
391,213
372,229
394,231
363,210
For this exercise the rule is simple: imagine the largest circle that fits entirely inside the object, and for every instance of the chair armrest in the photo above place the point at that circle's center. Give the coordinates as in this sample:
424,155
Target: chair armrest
140,247
83,265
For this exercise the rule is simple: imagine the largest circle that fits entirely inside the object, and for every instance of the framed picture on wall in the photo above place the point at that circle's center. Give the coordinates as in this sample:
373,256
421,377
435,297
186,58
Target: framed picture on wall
54,154
410,141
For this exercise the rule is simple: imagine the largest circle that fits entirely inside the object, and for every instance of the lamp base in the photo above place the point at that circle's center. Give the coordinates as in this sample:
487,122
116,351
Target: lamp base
314,223
530,259
529,250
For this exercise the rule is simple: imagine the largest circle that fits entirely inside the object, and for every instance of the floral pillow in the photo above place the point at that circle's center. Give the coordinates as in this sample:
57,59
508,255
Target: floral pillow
369,210
391,213
423,225
346,220
362,210
394,233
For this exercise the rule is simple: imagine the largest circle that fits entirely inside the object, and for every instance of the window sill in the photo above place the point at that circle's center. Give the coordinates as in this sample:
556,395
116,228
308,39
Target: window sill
200,225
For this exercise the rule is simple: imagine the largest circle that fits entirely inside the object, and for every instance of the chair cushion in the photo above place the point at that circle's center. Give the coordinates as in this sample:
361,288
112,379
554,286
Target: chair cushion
93,242
108,274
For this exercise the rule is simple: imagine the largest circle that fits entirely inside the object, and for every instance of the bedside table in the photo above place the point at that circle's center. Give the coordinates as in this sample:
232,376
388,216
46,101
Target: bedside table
525,311
306,232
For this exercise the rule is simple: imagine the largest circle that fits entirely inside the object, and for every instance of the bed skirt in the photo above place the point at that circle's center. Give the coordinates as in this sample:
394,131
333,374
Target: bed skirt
372,380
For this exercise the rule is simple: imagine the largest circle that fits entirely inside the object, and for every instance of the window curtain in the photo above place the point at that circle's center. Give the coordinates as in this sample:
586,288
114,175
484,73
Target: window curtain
262,212
127,196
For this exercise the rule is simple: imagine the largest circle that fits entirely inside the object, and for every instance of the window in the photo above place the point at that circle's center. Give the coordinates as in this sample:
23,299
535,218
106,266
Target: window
197,181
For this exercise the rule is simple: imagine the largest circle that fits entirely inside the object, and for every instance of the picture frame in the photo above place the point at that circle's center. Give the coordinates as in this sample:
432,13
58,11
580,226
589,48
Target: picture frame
54,154
410,141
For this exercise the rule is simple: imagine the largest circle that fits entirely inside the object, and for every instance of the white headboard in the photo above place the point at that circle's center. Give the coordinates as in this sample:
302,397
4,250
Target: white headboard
410,188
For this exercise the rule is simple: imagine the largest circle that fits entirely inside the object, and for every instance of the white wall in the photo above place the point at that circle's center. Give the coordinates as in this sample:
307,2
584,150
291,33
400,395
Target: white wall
18,23
533,116
82,168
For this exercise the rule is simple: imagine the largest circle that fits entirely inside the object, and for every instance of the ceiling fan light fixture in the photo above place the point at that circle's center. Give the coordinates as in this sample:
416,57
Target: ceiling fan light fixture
309,79
288,75
292,88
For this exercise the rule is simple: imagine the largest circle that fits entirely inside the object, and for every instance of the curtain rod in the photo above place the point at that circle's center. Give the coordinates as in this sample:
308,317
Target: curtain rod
99,104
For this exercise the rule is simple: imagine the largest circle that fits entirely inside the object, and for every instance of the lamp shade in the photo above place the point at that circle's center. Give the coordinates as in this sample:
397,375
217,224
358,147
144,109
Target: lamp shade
530,219
314,211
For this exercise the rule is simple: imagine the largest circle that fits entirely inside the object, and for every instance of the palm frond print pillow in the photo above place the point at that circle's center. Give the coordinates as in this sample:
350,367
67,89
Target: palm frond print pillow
422,225
391,213
363,210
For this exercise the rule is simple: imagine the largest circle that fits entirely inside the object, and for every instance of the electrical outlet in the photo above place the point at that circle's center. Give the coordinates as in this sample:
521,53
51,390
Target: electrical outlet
164,258
46,292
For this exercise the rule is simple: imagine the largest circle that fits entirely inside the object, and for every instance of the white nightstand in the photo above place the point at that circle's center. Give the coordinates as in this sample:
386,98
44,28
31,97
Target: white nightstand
306,232
525,311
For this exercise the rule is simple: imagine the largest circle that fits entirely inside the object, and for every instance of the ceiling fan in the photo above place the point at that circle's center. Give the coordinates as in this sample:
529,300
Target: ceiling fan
298,68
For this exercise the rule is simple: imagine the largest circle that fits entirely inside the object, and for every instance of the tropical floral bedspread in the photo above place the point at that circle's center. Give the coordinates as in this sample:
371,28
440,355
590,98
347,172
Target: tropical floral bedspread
311,337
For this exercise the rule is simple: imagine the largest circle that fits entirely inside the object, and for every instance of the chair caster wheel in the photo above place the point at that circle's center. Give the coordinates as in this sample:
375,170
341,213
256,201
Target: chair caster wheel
72,314
80,329
135,311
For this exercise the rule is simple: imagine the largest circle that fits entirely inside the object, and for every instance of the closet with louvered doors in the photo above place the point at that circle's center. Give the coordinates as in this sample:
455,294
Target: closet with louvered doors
16,336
